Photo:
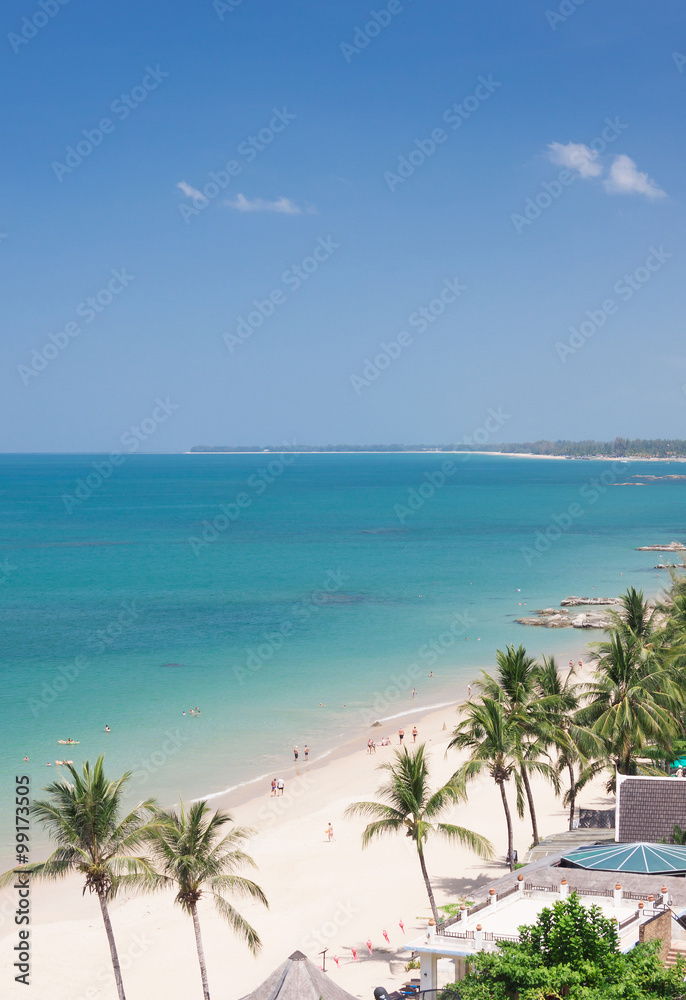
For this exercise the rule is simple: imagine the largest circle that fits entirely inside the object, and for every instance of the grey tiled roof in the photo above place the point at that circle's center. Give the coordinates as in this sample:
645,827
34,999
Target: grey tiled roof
648,808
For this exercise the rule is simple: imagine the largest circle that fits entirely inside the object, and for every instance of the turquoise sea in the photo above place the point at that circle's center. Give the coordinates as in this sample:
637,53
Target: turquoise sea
273,592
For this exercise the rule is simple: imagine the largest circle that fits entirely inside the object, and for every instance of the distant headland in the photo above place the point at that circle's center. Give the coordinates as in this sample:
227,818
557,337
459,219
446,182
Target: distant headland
639,448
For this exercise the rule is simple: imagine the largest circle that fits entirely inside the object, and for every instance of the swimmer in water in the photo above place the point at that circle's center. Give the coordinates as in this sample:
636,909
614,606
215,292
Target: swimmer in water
107,729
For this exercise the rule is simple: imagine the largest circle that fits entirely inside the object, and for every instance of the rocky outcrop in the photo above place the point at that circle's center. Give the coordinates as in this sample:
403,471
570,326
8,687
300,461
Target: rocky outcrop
575,602
658,477
554,618
672,547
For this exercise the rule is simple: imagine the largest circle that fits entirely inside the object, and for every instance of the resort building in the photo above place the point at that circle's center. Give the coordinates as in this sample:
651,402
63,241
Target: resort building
644,904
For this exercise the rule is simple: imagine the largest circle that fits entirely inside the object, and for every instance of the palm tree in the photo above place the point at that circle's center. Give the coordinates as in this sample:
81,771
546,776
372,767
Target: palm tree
635,616
411,806
515,685
558,702
493,739
83,818
192,852
633,701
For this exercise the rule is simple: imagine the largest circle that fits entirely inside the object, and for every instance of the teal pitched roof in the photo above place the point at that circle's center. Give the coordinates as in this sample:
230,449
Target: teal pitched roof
644,859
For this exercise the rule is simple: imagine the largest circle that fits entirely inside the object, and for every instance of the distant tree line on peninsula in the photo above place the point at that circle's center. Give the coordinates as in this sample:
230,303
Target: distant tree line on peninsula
619,448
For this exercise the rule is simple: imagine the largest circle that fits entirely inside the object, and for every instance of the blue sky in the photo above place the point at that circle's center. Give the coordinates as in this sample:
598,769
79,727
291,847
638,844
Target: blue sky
338,115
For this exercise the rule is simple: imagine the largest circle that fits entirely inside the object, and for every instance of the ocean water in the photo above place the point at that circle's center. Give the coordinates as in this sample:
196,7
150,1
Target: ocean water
292,600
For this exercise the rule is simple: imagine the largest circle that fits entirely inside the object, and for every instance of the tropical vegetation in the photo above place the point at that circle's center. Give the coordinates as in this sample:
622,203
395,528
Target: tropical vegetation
570,951
196,853
529,717
84,818
410,806
144,849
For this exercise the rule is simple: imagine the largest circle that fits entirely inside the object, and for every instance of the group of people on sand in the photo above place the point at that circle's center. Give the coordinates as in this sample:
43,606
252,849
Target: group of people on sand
277,786
306,752
386,740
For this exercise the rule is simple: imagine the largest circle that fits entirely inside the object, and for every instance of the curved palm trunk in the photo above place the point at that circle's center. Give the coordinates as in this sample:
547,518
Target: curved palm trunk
113,947
508,817
532,808
429,890
201,952
572,794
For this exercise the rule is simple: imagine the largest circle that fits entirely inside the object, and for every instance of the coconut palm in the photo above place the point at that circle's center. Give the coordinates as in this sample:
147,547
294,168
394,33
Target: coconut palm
633,701
410,805
193,852
557,706
83,816
515,685
634,616
493,739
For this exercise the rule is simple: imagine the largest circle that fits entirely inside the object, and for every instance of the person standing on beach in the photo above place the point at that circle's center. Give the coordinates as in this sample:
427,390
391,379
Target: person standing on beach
307,752
414,692
273,786
295,752
401,734
329,831
414,734
469,691
279,785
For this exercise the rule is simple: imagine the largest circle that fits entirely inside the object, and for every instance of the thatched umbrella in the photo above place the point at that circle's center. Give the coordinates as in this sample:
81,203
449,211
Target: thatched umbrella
298,979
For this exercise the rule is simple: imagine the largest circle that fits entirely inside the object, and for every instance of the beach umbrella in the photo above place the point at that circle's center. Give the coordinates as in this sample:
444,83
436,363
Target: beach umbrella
644,859
298,979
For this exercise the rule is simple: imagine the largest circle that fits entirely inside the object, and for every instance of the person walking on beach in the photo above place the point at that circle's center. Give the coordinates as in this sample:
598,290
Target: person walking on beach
273,786
414,734
279,785
401,734
469,691
295,752
329,831
414,692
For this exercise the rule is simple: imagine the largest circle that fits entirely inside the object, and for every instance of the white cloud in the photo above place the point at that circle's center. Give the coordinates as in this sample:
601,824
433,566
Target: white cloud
191,192
626,179
283,205
576,156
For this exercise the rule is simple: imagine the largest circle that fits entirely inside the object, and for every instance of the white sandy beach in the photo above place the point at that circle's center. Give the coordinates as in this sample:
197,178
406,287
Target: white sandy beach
321,894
